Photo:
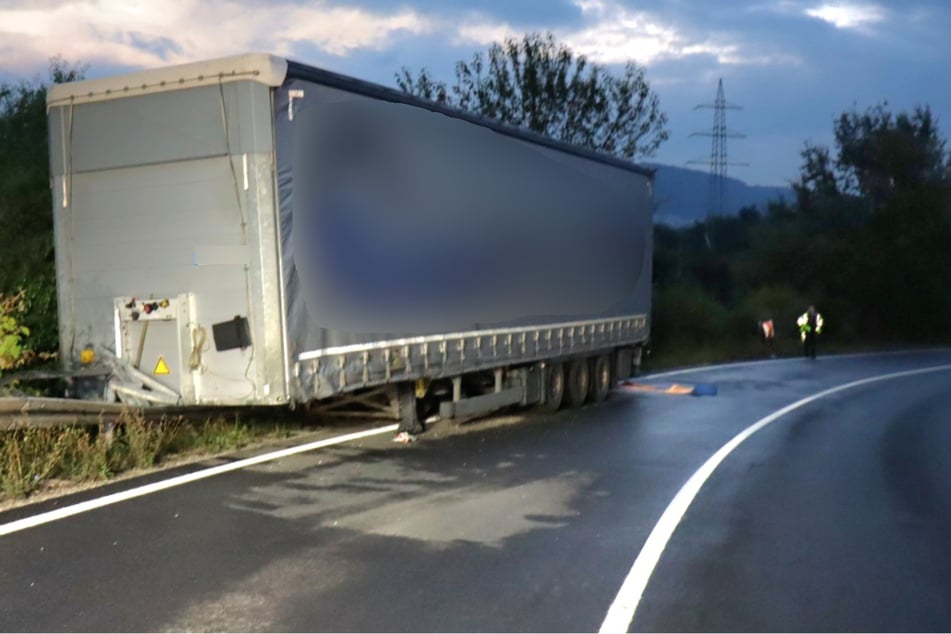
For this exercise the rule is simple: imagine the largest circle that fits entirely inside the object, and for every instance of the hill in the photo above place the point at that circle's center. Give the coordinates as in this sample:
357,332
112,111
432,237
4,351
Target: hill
681,195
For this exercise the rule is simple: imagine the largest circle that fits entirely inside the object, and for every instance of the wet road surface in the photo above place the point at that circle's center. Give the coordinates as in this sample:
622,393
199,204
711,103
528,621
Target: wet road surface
834,517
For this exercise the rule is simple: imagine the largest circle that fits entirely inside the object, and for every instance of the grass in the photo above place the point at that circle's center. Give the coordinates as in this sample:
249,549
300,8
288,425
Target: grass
31,459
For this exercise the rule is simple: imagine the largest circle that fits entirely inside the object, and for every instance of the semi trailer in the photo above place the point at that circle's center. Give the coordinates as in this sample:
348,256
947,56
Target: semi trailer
254,231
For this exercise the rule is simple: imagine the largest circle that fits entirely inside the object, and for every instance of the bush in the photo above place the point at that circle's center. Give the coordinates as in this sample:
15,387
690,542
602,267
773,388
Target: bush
687,315
40,312
13,351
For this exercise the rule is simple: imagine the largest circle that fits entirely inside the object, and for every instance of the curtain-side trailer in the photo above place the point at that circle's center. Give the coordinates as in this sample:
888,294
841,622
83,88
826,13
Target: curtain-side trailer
254,231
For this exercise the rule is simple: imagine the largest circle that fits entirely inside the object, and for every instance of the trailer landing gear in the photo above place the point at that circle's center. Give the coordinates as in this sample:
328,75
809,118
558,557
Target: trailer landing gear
410,425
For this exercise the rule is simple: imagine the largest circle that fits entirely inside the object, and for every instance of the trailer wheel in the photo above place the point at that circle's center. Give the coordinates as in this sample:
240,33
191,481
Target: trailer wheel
554,387
579,375
600,379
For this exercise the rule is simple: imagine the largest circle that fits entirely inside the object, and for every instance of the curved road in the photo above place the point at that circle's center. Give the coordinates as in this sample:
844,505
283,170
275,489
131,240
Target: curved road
835,516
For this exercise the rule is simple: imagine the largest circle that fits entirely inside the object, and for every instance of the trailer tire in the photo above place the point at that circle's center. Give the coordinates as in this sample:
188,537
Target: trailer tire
554,387
600,381
579,377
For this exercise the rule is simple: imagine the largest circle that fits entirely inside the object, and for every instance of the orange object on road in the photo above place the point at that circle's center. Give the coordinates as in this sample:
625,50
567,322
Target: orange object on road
673,388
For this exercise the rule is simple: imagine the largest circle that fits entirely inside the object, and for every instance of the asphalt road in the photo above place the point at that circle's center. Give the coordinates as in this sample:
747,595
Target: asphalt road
836,516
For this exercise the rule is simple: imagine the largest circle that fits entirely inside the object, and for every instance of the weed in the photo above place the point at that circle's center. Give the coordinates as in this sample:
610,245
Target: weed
143,439
29,457
220,435
85,456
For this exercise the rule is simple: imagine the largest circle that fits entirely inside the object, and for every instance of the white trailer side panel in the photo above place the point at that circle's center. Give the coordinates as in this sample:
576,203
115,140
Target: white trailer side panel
163,194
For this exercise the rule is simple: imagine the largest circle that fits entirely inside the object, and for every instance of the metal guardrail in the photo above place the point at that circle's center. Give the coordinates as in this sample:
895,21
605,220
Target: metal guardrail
25,412
31,412
323,373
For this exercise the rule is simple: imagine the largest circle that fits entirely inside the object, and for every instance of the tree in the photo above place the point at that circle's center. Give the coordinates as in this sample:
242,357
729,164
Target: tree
26,244
817,181
873,224
881,153
540,85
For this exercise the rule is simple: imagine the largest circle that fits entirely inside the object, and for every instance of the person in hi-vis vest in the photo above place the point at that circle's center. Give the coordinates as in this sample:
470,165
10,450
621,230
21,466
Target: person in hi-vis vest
810,325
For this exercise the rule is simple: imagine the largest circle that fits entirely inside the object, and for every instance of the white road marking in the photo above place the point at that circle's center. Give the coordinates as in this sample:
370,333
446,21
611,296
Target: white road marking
621,613
745,364
121,496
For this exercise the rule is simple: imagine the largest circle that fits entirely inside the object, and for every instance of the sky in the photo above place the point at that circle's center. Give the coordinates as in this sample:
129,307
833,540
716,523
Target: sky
790,66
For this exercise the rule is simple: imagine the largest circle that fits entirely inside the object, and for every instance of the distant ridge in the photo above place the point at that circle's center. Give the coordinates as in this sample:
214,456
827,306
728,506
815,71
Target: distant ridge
681,195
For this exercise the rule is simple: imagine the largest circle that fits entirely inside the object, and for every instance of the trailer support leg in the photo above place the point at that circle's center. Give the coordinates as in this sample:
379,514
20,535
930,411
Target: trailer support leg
409,420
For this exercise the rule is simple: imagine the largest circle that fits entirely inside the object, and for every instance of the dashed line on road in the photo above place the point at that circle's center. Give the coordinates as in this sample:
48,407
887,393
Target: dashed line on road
146,489
621,613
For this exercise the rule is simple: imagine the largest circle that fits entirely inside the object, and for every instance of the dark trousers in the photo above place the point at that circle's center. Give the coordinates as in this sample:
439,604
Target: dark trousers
809,345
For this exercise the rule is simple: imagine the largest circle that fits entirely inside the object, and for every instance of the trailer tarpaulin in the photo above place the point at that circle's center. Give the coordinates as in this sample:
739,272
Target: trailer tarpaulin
398,220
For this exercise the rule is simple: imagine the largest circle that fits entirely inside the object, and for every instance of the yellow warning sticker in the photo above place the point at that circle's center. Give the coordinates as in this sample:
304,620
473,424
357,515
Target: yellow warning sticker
161,367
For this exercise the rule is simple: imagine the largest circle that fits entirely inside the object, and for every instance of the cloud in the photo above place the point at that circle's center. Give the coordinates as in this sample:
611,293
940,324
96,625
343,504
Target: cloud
611,33
485,32
136,33
780,7
848,16
615,34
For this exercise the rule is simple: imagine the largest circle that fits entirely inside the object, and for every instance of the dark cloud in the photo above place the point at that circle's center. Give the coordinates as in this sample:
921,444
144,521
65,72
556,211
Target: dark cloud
791,72
160,46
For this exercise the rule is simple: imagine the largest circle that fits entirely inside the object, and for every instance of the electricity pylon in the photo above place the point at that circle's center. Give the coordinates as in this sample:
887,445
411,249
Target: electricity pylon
718,156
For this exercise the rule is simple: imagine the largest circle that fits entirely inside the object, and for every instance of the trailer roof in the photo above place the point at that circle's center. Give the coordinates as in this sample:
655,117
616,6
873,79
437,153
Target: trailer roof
350,84
273,71
260,67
